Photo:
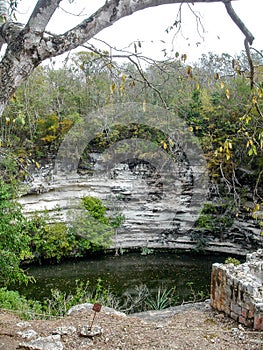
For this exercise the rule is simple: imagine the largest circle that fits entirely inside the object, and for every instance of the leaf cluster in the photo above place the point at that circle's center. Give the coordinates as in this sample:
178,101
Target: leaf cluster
14,237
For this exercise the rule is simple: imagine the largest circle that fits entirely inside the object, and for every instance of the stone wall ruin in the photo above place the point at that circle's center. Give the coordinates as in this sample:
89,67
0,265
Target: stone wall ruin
238,290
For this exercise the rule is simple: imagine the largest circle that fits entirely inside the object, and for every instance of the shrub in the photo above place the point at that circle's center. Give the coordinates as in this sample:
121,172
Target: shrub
60,302
12,300
14,237
231,260
53,241
215,218
92,228
96,209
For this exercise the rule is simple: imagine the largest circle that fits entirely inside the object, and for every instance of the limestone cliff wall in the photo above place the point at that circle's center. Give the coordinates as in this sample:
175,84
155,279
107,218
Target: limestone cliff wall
158,214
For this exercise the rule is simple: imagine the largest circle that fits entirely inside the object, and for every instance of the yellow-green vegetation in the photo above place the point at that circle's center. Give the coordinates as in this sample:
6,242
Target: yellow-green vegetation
14,237
215,218
12,300
53,241
214,99
58,303
28,239
231,260
89,229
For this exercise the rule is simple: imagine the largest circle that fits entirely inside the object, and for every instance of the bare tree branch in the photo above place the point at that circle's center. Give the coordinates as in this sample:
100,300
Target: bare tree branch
112,11
256,194
238,22
28,47
257,51
250,62
147,82
41,15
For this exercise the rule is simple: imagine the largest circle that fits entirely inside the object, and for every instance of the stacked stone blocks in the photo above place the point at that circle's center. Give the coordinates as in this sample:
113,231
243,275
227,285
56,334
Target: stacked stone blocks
238,290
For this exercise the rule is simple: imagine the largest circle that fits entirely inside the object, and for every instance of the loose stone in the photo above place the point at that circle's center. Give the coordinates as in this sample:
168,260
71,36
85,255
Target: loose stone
85,331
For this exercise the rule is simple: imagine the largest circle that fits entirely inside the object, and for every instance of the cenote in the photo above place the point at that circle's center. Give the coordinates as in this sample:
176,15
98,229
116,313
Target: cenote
123,273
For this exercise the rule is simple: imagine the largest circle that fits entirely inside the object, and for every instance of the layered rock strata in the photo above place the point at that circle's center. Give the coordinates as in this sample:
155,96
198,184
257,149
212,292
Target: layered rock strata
160,209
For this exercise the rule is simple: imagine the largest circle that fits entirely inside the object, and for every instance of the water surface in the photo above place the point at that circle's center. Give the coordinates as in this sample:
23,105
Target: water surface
123,273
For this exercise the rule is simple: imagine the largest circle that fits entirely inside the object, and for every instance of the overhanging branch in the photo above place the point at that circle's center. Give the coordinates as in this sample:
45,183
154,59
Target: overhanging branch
42,14
238,22
107,15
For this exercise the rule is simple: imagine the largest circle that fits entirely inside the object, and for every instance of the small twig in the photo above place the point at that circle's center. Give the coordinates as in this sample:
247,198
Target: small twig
148,82
177,23
258,110
228,183
81,13
257,51
256,186
198,22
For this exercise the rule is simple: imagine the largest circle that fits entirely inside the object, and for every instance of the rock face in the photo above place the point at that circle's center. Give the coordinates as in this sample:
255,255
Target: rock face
153,204
160,206
238,290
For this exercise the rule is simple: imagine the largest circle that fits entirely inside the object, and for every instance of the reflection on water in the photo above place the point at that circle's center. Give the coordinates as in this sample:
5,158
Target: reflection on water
123,273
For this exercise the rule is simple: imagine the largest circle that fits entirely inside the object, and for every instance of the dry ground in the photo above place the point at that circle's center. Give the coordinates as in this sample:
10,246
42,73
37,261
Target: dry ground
194,328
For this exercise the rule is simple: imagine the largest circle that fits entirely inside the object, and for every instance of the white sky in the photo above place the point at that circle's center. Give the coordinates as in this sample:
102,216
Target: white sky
148,26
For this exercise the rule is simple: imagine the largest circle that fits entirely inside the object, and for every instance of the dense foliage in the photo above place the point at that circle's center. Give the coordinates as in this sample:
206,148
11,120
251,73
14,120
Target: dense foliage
14,237
29,239
214,97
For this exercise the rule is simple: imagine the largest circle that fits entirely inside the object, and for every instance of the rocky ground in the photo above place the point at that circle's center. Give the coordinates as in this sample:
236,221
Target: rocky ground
192,327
